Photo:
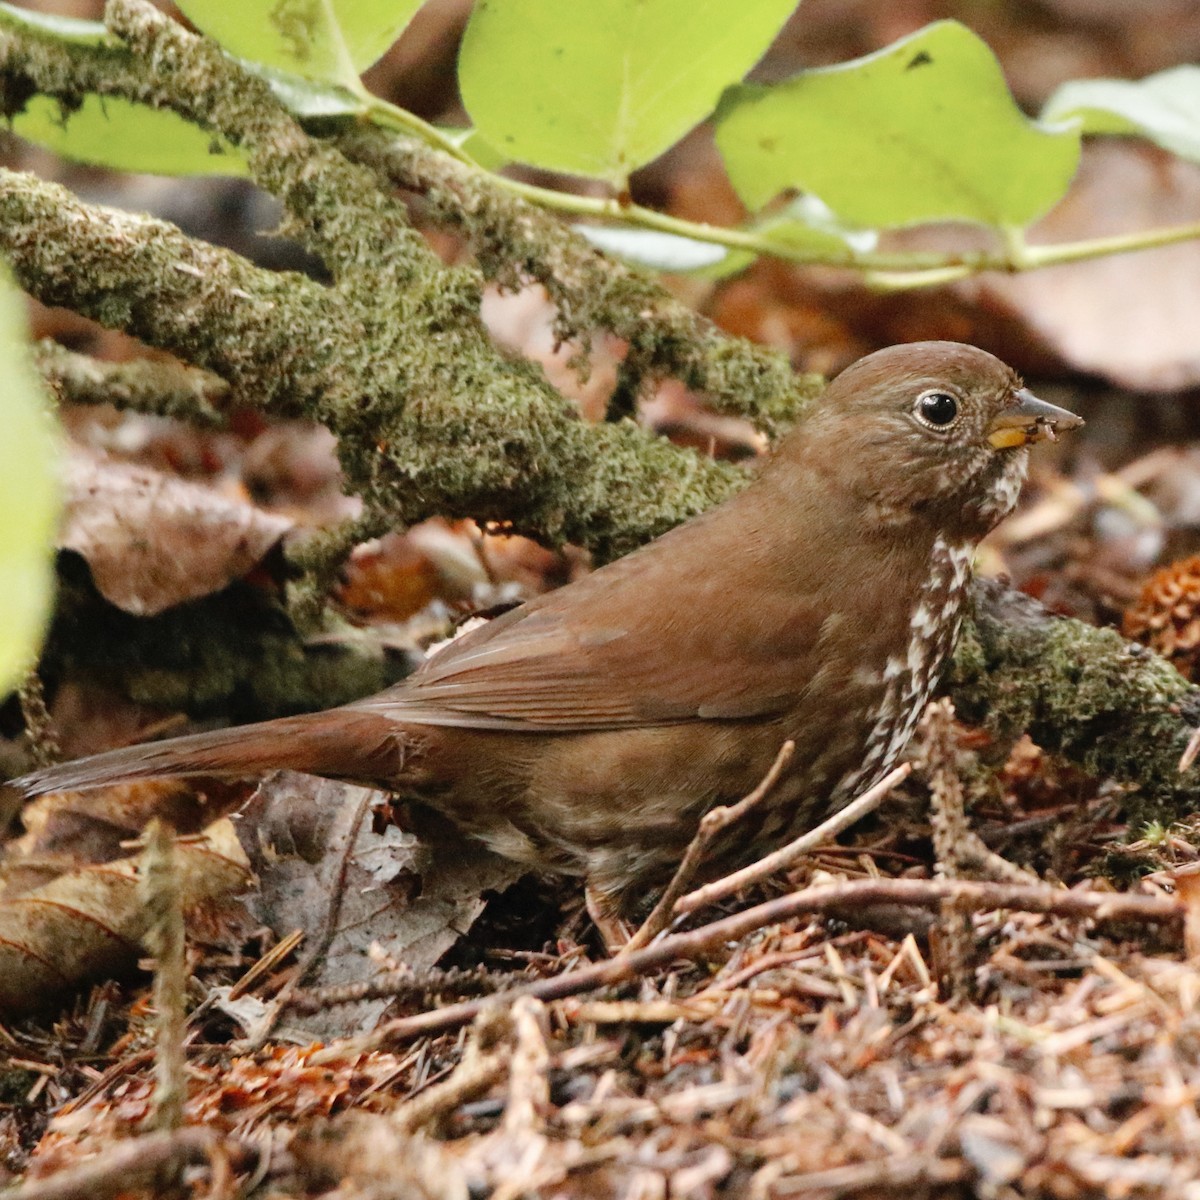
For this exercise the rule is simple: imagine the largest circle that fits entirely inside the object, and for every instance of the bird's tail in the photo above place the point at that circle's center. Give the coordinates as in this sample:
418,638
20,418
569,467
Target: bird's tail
341,744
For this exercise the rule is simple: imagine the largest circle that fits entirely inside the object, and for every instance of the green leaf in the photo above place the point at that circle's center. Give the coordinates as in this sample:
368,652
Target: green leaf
924,130
109,132
311,100
807,224
117,133
1165,108
601,87
331,40
28,497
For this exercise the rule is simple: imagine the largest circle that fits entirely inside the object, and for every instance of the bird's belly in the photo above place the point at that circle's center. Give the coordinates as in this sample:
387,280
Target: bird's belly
622,806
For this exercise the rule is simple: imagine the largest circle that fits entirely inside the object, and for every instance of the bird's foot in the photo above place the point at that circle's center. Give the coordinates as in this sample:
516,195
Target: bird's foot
614,931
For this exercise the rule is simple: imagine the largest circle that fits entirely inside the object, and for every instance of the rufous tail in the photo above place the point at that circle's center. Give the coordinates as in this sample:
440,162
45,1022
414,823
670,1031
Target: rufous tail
340,744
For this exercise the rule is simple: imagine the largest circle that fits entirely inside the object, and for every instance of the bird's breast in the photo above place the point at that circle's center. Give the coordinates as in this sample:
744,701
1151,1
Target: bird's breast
909,675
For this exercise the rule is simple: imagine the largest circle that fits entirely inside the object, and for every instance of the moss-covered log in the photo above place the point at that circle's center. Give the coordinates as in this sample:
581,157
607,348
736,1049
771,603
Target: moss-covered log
1111,706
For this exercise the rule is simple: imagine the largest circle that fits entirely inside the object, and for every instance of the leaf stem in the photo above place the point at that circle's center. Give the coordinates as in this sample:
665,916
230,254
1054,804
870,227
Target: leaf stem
390,116
1120,243
888,271
1028,258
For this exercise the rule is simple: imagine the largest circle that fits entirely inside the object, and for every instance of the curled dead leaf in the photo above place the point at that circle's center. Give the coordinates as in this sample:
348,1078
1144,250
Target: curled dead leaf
322,867
88,924
152,540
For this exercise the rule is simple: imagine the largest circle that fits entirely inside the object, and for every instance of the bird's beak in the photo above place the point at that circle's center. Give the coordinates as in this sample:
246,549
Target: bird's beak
1029,419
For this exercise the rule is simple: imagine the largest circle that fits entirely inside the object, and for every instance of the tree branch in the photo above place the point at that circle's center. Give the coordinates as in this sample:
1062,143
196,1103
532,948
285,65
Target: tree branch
1112,707
515,241
441,424
430,417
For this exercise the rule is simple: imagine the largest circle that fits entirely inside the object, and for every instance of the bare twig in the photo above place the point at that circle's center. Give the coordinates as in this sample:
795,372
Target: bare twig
858,897
787,855
528,1083
265,965
140,1162
483,1063
917,1171
165,940
712,824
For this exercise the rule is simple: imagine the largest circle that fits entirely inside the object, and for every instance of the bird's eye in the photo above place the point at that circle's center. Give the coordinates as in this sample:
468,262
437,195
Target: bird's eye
939,410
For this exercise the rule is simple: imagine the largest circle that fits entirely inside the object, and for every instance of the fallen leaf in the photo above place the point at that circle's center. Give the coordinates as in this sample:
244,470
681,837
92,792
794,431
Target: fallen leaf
88,924
323,868
153,541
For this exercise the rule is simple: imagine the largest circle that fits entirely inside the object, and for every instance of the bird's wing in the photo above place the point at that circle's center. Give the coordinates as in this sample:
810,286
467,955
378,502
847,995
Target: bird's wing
635,643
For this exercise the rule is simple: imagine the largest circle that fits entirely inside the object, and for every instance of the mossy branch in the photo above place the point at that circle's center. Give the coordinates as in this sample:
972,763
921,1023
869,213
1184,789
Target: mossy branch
165,389
362,233
515,242
1112,707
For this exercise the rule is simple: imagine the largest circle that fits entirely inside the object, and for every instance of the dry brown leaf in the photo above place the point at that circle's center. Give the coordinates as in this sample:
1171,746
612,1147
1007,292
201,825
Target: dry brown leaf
1129,317
81,828
324,869
153,541
88,924
524,321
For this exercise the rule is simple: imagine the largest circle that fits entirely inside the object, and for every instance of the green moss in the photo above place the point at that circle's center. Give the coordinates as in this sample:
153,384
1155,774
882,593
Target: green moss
1115,709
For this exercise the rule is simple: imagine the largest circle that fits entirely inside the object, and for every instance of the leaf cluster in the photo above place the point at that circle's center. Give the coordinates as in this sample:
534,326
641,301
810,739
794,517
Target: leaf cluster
925,130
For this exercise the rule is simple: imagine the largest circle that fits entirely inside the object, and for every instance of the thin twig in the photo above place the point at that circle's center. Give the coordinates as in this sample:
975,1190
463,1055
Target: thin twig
858,897
140,1162
787,855
1191,750
483,1063
917,1171
266,964
165,939
713,823
528,1071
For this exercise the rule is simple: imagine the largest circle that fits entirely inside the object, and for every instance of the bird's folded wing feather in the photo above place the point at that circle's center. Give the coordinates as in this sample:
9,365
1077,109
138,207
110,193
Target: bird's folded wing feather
606,661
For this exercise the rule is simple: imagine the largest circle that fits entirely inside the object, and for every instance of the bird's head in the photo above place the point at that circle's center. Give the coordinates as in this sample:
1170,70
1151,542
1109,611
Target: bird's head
937,427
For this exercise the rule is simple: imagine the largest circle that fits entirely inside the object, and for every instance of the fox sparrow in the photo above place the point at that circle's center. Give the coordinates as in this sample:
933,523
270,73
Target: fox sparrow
587,731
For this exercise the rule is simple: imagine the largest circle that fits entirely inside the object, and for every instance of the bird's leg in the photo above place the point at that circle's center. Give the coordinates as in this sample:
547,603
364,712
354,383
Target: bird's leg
602,908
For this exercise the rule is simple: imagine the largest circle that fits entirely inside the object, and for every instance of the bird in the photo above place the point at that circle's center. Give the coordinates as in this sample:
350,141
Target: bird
588,731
